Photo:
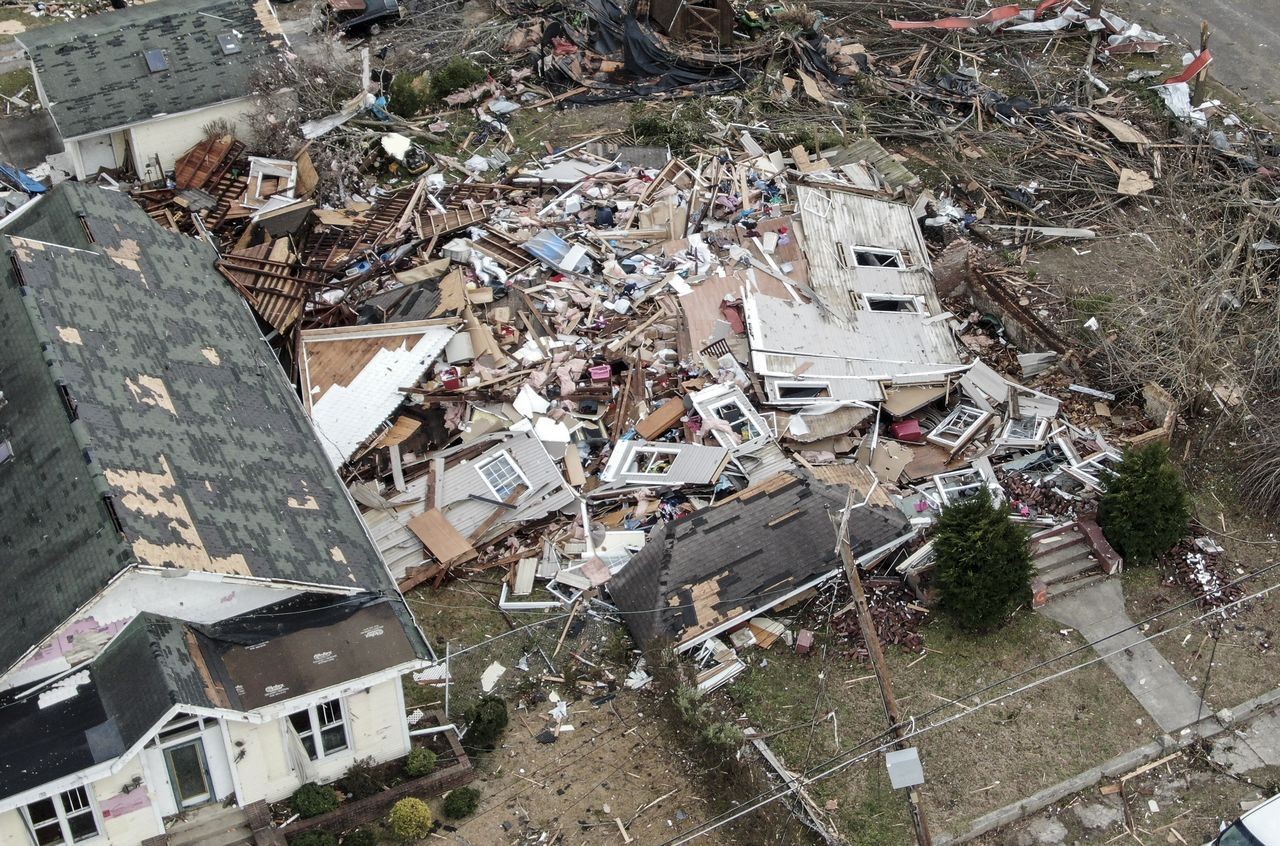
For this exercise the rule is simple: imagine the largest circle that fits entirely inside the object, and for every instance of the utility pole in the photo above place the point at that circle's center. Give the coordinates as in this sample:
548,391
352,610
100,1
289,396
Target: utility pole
872,638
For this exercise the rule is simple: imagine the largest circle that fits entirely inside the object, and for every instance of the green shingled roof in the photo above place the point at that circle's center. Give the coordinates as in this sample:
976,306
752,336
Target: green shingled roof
182,417
94,70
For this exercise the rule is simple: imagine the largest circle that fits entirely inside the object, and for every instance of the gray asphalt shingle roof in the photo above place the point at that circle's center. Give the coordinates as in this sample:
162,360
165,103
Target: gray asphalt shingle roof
736,557
183,417
94,69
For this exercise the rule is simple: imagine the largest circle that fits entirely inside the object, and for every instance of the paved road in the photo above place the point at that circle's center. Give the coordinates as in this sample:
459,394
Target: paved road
1245,40
1097,612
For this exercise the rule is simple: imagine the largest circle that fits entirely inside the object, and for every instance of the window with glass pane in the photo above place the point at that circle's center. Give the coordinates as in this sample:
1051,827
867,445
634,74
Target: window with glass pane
333,731
301,722
732,412
66,818
321,728
502,475
79,813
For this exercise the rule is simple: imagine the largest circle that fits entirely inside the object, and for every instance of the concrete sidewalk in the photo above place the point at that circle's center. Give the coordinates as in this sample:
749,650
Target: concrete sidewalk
1098,613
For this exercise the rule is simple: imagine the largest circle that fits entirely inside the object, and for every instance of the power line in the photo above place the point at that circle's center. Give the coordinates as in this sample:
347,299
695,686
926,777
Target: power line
806,778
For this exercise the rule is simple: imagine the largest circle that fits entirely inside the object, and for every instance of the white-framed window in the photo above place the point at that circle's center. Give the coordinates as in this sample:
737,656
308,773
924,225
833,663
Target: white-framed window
959,426
802,390
502,475
68,817
322,728
1025,431
890,302
959,485
739,418
651,461
853,255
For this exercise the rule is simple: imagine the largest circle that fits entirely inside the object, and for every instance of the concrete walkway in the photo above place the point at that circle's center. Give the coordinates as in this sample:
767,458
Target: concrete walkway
1097,612
1256,745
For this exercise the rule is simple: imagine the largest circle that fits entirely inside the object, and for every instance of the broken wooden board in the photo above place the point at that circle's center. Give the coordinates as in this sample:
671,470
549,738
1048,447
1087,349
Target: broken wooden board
661,419
440,538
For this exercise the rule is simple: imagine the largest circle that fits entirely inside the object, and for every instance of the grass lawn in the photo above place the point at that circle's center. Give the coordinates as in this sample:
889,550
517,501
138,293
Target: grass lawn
977,763
1247,661
14,81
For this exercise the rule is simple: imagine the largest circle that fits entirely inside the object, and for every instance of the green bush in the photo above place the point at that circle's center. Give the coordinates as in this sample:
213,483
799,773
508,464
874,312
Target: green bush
408,95
983,564
361,837
725,737
1144,508
410,819
314,838
485,722
312,800
419,763
361,781
459,73
461,802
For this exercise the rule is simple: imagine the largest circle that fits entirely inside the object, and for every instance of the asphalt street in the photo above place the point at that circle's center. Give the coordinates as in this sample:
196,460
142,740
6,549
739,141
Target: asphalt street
1245,40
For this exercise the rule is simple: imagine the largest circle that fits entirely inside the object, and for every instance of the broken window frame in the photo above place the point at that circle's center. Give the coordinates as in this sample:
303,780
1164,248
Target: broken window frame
781,385
1039,431
859,256
947,492
953,424
653,451
64,815
320,723
509,486
916,304
747,417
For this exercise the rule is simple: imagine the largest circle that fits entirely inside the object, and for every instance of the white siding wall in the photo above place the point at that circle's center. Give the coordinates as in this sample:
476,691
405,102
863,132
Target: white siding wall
375,725
172,136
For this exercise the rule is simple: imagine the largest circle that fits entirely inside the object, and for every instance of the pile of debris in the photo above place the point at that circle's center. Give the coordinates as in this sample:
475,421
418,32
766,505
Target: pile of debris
1201,566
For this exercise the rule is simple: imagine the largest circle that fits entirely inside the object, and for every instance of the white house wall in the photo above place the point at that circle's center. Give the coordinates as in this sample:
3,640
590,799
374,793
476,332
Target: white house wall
376,729
125,819
196,598
170,137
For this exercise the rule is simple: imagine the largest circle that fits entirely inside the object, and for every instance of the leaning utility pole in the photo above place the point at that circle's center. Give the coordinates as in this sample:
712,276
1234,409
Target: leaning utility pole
872,638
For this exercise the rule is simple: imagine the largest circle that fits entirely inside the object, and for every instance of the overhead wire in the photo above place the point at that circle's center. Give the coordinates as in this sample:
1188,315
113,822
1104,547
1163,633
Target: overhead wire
806,778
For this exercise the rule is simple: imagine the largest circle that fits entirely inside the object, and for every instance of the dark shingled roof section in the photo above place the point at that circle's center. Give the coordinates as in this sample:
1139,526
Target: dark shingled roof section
95,74
38,744
146,670
753,562
188,419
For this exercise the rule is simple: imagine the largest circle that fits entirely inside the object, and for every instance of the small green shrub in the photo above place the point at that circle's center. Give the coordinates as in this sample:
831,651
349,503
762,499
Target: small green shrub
1144,508
361,837
410,819
485,722
459,73
312,800
723,736
419,763
408,96
314,838
360,780
461,802
983,563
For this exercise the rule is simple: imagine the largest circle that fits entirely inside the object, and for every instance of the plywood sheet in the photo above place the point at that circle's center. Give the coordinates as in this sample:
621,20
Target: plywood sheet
440,537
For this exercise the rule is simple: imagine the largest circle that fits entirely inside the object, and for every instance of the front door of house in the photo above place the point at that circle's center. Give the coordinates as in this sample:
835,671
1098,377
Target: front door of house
188,773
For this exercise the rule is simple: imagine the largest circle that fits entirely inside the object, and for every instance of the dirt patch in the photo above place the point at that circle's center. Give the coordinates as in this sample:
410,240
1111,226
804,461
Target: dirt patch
12,27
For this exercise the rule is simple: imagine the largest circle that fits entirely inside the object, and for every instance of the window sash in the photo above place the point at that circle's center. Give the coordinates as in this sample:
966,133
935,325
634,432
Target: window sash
322,729
502,475
652,462
731,411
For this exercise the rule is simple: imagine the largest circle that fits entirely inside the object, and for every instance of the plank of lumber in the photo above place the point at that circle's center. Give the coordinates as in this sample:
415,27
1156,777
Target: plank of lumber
440,538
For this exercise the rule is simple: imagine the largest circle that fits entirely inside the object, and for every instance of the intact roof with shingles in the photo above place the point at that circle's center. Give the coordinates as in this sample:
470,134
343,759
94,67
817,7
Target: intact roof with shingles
735,558
178,422
94,70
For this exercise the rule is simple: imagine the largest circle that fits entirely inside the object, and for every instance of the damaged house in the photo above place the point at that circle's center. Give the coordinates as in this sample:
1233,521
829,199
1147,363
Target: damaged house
195,619
874,318
131,89
760,549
